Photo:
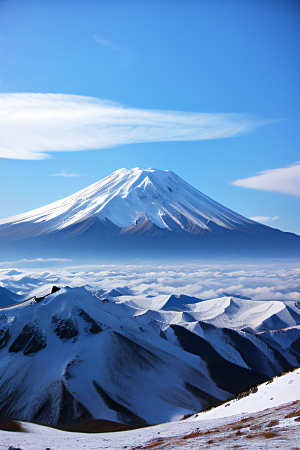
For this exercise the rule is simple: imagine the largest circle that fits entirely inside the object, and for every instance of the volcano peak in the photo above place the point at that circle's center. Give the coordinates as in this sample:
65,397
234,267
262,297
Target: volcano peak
124,196
157,206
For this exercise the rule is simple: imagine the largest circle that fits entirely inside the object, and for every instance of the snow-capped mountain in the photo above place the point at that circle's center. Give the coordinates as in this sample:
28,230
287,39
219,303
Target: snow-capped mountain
79,357
128,197
141,210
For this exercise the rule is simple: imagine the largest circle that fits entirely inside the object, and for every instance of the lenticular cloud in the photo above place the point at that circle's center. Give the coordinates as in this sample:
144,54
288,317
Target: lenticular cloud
285,180
35,124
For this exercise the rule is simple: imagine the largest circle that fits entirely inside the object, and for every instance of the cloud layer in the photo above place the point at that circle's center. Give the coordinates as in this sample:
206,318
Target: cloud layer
32,125
285,180
258,281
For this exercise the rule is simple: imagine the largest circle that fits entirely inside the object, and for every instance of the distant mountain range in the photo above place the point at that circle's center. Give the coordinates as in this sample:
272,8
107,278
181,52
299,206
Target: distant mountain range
70,356
145,213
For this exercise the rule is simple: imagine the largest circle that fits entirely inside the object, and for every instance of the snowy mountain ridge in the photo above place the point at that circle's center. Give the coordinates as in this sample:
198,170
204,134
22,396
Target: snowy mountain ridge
79,357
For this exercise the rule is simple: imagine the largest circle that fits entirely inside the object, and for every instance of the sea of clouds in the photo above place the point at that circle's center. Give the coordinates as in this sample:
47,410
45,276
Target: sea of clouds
276,281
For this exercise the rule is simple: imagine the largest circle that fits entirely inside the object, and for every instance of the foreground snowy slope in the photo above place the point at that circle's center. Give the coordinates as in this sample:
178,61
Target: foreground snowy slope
139,212
279,391
79,357
248,423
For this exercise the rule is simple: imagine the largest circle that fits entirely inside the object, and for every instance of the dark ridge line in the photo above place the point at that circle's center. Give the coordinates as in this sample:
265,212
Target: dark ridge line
36,299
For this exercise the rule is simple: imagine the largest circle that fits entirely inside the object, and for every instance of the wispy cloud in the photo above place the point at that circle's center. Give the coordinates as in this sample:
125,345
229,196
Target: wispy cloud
128,56
64,173
37,260
109,44
264,218
285,180
32,125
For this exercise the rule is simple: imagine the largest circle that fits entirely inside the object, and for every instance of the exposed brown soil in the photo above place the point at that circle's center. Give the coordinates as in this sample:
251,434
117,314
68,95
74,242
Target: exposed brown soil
192,435
293,414
7,424
270,434
155,444
238,426
254,427
273,423
97,426
93,426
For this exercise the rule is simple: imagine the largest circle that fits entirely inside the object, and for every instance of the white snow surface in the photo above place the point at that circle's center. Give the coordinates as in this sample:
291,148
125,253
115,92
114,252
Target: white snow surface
283,391
224,312
126,357
154,196
231,312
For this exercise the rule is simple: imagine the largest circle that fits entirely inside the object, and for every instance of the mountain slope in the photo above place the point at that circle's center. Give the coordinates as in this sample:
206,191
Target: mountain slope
129,196
8,297
80,358
281,390
149,210
243,423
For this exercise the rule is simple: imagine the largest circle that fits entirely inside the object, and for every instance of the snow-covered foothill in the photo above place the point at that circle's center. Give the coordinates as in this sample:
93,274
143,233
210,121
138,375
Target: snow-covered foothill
78,357
81,357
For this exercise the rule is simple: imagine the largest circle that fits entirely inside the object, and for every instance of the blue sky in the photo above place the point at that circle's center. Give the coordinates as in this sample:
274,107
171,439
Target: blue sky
200,58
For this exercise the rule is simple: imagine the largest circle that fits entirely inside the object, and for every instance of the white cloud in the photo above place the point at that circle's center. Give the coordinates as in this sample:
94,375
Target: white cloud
34,124
260,218
264,218
43,260
285,180
37,260
64,173
277,281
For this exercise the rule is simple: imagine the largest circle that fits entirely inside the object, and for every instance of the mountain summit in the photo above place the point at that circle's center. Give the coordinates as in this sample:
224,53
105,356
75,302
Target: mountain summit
143,208
126,197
